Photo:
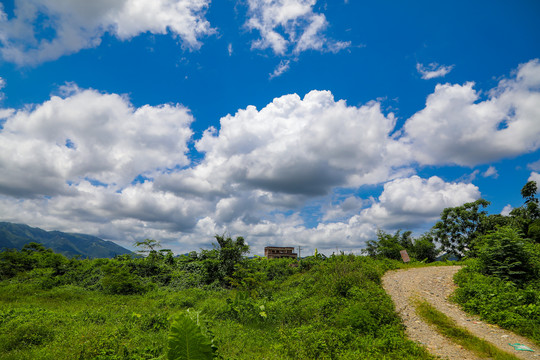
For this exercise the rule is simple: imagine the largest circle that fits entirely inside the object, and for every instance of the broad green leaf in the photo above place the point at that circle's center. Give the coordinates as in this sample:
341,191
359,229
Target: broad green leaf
187,342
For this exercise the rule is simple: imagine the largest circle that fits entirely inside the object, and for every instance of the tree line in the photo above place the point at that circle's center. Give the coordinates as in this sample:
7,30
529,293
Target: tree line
468,231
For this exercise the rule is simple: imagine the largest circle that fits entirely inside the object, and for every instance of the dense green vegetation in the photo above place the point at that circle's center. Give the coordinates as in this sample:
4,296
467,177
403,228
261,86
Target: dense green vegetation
52,307
388,246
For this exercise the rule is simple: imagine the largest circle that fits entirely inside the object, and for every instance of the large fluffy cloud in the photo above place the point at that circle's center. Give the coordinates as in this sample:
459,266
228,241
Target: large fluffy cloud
264,163
409,202
290,26
303,146
456,128
46,149
79,24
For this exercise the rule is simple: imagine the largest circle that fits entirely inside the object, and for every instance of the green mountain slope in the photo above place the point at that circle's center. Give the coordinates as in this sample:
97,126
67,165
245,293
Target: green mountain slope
15,236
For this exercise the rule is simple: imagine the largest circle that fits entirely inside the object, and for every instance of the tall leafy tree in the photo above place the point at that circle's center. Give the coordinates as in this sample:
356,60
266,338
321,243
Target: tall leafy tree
529,192
230,253
148,246
460,226
424,248
527,217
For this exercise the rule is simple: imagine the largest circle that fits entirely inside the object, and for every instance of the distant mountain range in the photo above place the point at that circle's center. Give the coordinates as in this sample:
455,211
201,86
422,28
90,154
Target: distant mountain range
15,236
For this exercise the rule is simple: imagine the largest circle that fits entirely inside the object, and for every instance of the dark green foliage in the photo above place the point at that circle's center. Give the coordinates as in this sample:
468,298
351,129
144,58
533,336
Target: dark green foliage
501,302
119,280
460,226
32,256
389,246
503,253
231,252
527,217
502,284
424,248
528,192
533,231
276,309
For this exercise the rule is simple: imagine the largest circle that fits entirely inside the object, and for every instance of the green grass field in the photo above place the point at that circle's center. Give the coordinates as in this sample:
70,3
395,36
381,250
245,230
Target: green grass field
336,309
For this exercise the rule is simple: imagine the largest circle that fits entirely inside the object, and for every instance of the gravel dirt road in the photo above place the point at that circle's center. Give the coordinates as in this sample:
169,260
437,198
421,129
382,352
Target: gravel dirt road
435,284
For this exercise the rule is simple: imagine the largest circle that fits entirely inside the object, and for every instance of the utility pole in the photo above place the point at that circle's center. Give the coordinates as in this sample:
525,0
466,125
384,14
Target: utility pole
299,252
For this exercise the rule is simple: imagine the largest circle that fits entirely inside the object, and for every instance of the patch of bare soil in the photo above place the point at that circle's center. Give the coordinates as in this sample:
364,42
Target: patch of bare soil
435,284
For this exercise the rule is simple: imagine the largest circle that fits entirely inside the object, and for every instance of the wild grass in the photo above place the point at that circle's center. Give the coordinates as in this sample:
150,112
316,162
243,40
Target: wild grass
327,309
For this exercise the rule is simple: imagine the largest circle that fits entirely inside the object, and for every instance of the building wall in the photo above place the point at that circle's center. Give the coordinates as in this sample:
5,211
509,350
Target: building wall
276,252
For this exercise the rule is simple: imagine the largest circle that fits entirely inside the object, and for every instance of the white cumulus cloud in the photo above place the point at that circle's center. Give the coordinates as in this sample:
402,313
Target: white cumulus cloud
89,135
302,146
410,202
275,175
80,24
534,177
506,210
290,26
456,128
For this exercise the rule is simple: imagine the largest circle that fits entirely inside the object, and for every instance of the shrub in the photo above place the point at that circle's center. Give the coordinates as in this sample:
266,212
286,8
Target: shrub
503,253
499,301
118,280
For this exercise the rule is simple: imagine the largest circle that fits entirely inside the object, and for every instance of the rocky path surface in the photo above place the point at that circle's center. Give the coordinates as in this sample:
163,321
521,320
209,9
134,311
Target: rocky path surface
435,284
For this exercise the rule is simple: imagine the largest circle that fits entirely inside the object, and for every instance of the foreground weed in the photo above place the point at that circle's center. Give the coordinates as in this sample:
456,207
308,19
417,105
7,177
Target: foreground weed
448,327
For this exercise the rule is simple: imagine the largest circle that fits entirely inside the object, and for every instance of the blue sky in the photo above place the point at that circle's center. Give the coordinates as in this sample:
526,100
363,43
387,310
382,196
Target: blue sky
289,122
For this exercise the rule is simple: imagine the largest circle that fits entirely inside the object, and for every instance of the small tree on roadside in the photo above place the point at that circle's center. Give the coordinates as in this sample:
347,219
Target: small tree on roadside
424,248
